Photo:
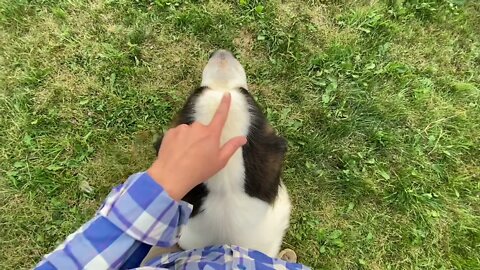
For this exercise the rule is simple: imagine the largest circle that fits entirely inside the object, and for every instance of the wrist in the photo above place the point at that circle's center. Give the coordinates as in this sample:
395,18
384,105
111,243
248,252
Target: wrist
169,184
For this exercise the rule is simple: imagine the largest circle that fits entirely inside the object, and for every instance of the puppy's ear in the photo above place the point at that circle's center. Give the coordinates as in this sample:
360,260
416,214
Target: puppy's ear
157,143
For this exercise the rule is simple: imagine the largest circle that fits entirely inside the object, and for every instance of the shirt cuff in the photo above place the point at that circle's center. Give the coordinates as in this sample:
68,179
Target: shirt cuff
144,210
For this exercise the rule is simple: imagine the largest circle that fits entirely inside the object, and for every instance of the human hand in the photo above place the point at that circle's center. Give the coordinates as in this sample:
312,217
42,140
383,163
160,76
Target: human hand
190,154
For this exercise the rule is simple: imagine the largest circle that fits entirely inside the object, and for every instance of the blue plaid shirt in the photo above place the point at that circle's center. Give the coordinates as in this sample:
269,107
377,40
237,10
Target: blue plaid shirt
136,216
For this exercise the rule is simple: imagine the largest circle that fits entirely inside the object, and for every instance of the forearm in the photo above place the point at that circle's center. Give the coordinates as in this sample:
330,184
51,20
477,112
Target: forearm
85,248
138,212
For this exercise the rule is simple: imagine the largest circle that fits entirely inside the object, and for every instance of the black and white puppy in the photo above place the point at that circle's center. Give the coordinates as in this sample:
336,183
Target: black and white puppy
245,203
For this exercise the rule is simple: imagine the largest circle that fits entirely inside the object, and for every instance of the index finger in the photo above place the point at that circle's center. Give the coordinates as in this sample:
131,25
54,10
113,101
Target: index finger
221,114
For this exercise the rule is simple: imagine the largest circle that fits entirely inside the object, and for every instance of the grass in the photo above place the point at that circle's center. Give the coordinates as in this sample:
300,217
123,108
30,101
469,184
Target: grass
379,100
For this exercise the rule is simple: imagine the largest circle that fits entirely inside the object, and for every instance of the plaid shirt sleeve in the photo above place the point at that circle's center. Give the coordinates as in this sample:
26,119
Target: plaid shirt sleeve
139,211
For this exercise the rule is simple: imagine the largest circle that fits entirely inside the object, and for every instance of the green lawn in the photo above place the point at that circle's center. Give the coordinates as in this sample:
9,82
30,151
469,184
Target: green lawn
379,100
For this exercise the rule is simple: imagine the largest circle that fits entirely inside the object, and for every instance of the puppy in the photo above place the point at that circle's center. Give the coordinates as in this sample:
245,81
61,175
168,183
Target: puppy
245,203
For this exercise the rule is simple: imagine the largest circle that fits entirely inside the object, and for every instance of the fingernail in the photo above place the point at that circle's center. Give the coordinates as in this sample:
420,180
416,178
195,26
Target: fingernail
244,141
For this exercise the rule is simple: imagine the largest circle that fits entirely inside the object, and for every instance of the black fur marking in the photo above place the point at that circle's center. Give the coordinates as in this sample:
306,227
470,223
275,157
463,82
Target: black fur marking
263,155
186,114
197,194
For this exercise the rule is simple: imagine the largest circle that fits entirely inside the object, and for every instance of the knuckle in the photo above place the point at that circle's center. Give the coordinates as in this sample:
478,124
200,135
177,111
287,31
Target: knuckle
181,127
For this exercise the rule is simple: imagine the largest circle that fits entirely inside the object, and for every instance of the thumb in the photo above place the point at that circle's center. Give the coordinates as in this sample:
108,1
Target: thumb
229,148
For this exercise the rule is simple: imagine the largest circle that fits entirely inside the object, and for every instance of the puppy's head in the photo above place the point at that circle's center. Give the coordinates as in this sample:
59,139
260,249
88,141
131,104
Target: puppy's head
223,72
